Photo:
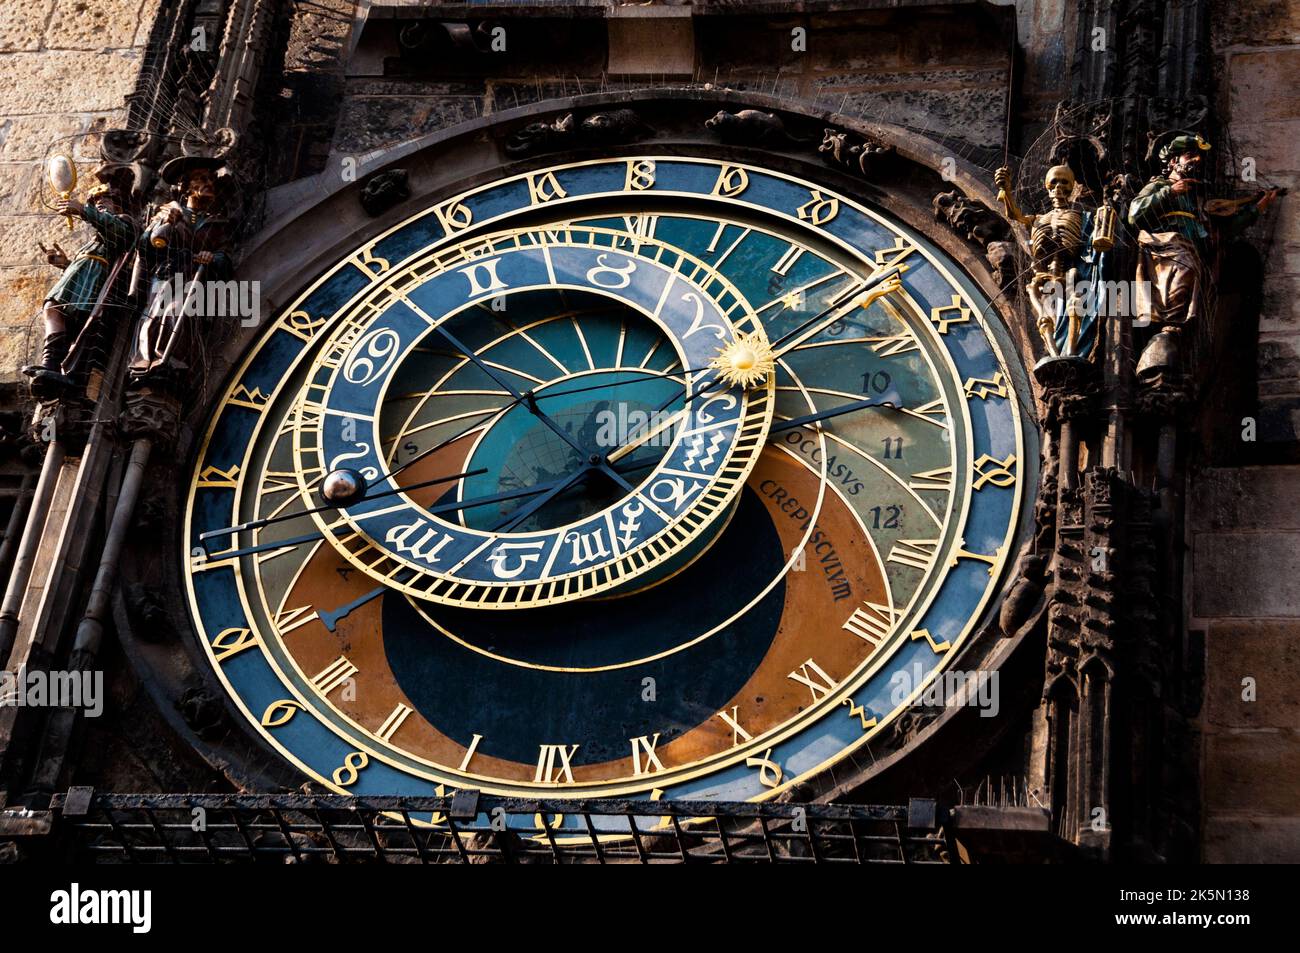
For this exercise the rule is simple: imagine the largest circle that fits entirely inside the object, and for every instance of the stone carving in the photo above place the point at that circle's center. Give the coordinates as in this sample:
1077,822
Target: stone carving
751,127
384,190
1025,602
1002,259
969,219
541,137
148,614
860,154
614,126
975,223
204,713
609,127
150,413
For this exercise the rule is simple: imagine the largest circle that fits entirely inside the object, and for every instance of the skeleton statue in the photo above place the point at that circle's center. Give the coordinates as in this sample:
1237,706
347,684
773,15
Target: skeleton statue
183,246
73,298
1068,245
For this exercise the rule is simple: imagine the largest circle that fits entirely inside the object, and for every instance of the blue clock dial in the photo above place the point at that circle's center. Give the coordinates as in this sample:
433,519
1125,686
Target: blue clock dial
681,479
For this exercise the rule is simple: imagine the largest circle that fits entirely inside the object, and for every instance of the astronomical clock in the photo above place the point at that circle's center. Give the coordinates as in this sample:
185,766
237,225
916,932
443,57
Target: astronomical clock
657,476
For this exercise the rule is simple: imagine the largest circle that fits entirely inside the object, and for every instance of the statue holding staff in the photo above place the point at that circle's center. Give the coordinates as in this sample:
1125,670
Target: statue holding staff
183,245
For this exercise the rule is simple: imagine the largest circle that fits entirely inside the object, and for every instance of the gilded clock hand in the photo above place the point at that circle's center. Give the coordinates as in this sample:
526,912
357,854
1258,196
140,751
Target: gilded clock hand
838,307
635,442
882,283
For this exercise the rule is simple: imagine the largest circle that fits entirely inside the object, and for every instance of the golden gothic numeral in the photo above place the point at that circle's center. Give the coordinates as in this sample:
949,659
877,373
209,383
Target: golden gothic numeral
819,209
732,180
544,187
640,175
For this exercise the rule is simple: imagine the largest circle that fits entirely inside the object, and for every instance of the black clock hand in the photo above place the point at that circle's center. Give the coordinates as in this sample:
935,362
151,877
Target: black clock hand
330,619
648,376
449,507
528,509
597,461
827,414
453,438
519,397
269,520
550,490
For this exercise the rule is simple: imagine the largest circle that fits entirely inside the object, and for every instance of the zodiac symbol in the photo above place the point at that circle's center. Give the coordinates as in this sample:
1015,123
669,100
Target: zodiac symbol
624,274
696,449
376,353
677,489
630,523
502,570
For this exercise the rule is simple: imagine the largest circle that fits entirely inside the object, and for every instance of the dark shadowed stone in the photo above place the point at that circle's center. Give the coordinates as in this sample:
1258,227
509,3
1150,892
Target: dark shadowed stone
1267,651
1253,772
1246,575
1251,840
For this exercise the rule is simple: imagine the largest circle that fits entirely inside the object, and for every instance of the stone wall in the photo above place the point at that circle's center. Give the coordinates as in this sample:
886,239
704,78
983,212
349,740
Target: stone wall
1244,522
942,71
65,67
1245,550
1257,62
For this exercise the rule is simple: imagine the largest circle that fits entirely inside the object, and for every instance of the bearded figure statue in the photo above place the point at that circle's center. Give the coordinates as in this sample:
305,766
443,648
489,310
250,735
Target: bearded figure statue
1179,229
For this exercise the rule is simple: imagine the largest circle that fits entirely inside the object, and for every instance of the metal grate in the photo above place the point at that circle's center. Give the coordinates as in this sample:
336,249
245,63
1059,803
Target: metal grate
473,829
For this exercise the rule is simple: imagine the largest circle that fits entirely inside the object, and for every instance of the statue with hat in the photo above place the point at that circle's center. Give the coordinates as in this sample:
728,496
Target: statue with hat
73,298
184,244
1178,228
1068,244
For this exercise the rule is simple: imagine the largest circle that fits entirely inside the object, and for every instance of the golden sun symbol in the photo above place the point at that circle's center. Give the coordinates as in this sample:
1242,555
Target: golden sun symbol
746,361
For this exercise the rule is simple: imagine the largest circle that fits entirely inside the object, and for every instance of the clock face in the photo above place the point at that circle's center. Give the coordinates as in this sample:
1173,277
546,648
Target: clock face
676,479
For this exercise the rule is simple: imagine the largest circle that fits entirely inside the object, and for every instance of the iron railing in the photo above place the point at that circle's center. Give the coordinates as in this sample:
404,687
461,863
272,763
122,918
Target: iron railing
469,828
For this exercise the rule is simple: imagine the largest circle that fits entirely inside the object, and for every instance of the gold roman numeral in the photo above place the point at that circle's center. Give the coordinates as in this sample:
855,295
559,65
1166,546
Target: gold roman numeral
645,745
333,675
892,346
917,553
554,764
814,677
872,622
939,480
393,722
737,732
